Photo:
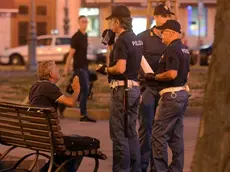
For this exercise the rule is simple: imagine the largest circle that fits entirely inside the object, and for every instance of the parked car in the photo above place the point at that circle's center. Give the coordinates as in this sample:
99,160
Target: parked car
194,56
49,47
204,53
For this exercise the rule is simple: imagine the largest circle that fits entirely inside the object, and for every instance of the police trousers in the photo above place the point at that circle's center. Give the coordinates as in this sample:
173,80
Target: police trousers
126,151
150,98
168,131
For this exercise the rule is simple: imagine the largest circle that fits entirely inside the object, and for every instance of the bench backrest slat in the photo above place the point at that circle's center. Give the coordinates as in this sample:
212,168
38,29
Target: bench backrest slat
25,112
26,125
29,127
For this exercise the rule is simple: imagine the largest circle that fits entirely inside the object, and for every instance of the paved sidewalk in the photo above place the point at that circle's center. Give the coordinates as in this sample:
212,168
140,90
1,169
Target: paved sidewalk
103,114
100,130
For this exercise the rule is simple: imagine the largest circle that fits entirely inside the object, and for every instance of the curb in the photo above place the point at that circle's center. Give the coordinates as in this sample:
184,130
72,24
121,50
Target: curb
97,114
103,114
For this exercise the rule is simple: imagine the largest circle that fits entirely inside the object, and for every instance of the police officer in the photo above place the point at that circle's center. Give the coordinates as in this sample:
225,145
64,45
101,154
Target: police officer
125,59
172,74
152,50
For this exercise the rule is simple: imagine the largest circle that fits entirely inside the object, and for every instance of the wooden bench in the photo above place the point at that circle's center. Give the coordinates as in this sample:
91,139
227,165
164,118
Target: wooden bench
37,129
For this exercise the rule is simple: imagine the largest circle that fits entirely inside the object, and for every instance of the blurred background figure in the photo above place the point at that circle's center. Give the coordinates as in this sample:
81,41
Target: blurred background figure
78,52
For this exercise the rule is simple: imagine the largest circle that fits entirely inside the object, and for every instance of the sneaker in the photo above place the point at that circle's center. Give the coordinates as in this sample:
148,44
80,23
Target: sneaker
87,119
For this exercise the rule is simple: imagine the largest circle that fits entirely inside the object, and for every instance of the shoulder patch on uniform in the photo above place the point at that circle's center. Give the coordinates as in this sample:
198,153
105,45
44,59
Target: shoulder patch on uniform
185,51
137,43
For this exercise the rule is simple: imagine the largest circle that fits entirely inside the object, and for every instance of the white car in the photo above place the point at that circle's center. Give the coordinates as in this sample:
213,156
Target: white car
49,47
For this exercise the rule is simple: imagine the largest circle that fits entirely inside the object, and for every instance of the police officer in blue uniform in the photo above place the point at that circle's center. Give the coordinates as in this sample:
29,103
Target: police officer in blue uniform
153,49
125,59
172,74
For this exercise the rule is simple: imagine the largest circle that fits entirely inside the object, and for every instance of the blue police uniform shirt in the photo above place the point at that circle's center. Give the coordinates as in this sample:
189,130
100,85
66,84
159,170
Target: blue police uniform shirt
153,49
127,47
176,57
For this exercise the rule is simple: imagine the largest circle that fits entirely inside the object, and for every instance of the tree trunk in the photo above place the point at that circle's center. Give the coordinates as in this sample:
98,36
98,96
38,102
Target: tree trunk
213,145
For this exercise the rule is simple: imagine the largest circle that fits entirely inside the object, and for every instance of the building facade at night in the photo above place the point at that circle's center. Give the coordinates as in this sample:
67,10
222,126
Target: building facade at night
7,11
45,17
50,15
187,16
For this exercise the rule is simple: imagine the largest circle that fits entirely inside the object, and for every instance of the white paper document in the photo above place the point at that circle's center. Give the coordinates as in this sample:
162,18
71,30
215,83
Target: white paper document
145,66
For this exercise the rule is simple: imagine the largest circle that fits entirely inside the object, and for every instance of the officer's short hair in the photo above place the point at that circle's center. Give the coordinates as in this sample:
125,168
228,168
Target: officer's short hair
126,23
165,15
81,16
44,69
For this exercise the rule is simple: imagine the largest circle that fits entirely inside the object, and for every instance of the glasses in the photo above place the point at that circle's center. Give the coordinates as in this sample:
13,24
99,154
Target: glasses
85,21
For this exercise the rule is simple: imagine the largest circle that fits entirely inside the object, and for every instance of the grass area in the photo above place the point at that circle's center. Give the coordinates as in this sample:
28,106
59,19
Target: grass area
15,84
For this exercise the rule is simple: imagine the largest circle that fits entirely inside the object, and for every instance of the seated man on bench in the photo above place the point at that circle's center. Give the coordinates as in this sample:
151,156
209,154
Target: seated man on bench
45,93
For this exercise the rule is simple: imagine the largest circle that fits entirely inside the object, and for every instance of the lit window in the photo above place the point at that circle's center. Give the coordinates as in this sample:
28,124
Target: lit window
93,16
139,24
193,21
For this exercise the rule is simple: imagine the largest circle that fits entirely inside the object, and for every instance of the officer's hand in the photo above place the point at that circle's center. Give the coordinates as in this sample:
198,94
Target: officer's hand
102,69
108,37
149,76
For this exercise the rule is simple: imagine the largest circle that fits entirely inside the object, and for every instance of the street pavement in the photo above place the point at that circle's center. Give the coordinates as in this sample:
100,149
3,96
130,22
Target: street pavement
100,130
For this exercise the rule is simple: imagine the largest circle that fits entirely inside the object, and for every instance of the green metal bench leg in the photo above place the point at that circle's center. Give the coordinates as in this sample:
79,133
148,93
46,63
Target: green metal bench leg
63,165
51,162
34,162
18,163
7,151
21,160
96,165
48,157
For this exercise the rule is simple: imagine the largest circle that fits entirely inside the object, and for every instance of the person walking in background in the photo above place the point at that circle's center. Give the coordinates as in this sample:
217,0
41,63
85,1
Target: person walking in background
78,52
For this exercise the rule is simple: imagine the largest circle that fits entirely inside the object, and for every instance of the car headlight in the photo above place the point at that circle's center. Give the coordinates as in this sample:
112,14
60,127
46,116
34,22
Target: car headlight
102,51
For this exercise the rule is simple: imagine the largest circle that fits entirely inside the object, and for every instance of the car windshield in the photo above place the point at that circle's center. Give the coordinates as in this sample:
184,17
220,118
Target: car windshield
62,41
44,42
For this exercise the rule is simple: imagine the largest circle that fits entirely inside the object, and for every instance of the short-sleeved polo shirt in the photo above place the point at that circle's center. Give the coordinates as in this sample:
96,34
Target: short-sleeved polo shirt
176,57
153,48
44,94
127,47
79,42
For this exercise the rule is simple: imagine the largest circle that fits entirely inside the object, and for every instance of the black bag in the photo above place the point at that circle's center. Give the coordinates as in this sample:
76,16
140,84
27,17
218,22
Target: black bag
77,143
92,78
